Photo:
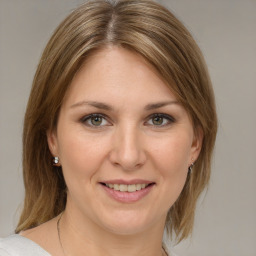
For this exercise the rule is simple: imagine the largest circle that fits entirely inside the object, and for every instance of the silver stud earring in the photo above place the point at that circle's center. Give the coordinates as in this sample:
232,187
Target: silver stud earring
56,161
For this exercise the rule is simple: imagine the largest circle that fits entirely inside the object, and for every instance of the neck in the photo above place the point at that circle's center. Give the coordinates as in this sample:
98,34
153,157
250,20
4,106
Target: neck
89,239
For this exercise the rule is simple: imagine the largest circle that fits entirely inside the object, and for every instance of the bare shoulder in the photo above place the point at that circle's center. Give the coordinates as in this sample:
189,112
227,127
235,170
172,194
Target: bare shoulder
42,230
45,235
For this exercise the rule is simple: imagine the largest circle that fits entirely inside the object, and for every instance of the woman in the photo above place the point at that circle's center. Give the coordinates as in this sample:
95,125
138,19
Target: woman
118,135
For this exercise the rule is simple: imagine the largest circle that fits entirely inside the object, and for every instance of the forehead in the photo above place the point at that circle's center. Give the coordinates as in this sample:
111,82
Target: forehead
115,72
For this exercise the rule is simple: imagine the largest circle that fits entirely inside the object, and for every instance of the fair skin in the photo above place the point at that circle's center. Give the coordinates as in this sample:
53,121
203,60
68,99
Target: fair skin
119,126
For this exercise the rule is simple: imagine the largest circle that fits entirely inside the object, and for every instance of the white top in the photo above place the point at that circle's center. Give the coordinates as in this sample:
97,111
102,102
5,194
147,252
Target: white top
16,245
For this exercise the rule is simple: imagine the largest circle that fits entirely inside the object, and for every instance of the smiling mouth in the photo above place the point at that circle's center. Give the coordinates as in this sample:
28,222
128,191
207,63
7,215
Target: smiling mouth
127,188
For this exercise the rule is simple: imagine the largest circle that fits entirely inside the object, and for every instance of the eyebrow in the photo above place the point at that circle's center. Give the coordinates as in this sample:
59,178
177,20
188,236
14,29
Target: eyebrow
101,105
160,105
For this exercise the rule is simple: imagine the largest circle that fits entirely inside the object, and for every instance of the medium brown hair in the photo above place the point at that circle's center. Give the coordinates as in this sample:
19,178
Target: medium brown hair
141,26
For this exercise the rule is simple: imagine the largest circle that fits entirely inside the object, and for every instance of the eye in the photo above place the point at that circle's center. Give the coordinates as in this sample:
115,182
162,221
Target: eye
160,120
95,120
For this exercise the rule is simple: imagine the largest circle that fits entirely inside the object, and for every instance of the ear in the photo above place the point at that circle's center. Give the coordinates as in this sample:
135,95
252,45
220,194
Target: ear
197,143
52,142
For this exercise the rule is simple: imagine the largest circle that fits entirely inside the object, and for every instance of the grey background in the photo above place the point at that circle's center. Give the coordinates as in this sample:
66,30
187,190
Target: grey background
225,30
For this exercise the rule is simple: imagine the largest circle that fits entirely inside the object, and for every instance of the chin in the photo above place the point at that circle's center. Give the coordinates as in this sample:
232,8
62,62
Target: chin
127,223
124,229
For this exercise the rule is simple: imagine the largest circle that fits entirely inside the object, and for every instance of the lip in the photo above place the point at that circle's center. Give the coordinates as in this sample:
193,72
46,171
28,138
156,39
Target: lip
127,197
127,182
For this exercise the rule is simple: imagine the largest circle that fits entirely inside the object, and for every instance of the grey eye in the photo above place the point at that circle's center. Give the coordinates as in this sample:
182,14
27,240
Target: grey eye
160,120
157,120
96,120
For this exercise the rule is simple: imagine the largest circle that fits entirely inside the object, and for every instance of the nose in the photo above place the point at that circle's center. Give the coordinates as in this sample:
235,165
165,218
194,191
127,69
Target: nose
127,150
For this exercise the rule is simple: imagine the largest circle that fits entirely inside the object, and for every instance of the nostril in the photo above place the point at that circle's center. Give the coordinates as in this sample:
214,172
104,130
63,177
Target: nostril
127,156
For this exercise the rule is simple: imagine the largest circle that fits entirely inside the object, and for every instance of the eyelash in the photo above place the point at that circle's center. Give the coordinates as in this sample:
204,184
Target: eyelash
170,120
87,118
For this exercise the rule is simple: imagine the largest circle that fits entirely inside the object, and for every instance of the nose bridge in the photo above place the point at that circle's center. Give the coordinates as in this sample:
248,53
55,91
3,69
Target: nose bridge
127,149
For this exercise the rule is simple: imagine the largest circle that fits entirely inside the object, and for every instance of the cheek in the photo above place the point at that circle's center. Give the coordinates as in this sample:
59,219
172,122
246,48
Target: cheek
171,159
80,155
173,153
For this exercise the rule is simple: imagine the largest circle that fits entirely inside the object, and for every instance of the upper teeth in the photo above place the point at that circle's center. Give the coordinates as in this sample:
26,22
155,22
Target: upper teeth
126,188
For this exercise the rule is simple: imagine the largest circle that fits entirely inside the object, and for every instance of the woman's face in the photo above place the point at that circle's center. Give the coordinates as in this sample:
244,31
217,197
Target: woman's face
124,143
